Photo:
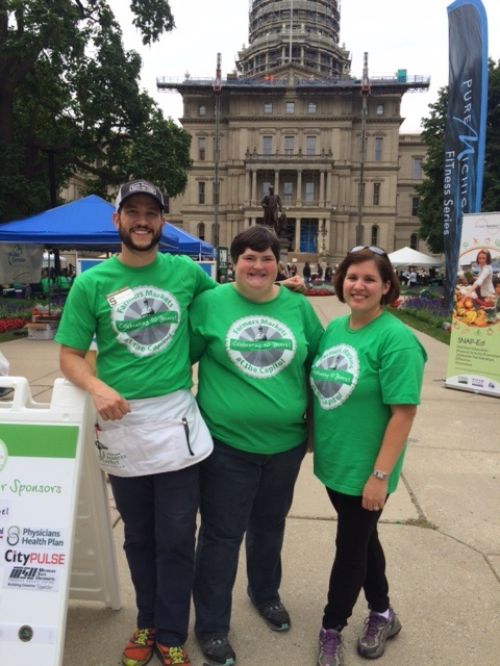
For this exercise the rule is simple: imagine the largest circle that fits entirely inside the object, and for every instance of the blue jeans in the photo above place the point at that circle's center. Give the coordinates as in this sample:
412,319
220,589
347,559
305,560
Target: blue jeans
159,515
241,492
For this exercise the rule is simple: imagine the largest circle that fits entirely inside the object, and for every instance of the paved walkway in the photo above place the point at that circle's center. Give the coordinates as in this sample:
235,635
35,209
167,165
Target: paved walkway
441,532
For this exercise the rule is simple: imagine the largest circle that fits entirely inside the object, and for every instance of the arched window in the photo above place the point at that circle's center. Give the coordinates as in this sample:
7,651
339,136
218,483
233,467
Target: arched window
374,240
201,231
414,242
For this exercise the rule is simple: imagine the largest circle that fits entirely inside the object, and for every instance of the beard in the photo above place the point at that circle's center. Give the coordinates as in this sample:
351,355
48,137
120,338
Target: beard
126,239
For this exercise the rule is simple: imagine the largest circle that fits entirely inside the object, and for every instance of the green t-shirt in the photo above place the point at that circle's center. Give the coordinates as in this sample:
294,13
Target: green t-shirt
139,318
355,378
255,357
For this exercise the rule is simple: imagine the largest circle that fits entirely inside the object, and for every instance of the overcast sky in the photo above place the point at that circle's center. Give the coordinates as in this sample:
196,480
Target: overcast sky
398,34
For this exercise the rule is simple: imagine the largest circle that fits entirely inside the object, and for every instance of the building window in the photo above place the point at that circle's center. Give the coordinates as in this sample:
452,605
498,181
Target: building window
268,107
201,192
287,191
290,107
378,148
201,231
202,147
310,145
361,193
374,240
376,194
417,168
267,145
309,192
414,206
414,242
379,110
309,236
289,145
312,107
266,186
202,110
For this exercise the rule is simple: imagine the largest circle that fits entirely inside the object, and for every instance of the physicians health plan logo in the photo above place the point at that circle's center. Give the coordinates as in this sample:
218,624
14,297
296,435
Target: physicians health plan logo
260,346
146,320
4,454
334,375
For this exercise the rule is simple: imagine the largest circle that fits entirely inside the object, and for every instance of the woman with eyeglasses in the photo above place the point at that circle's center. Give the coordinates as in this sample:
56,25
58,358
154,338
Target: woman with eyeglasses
366,380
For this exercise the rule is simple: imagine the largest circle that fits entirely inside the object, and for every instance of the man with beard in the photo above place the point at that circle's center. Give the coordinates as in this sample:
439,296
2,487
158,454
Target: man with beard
149,435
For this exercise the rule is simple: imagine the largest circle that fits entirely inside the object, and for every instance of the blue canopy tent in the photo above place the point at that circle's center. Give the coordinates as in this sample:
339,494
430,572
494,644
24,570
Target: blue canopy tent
82,224
189,244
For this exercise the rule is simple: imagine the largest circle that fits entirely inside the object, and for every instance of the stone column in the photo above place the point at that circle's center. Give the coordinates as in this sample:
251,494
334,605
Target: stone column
248,185
276,181
254,187
321,187
329,187
299,187
297,234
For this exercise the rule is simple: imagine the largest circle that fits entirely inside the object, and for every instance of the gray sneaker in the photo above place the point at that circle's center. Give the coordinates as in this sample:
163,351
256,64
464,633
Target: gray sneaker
377,630
331,648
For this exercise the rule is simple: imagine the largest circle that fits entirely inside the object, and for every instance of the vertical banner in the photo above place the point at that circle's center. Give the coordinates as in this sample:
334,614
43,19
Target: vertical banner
474,356
465,132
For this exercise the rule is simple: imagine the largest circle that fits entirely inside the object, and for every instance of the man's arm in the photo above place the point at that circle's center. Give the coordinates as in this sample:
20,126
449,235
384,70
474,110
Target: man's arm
109,404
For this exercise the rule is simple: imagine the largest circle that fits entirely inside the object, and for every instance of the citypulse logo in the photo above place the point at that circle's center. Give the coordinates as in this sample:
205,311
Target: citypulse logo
4,454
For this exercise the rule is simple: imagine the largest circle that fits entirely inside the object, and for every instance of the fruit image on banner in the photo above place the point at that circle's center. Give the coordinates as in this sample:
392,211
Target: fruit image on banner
474,356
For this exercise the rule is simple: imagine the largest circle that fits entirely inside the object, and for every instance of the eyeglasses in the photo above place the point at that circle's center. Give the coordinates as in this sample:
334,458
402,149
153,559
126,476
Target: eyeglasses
372,248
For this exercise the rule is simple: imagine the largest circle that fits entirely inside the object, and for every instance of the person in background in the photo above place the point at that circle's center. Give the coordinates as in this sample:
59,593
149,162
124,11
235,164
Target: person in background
281,274
150,436
306,272
483,284
255,342
320,272
368,363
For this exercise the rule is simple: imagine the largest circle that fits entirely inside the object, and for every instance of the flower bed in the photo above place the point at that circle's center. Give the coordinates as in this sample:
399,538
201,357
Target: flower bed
11,324
320,291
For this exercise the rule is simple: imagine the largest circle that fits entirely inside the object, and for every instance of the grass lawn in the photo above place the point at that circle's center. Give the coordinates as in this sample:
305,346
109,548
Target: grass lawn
425,327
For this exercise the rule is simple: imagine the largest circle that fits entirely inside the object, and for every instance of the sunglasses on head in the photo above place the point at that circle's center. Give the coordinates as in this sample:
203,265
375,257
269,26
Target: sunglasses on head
372,248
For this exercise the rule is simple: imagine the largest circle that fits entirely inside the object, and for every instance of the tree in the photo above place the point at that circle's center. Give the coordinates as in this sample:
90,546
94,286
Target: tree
430,210
69,89
430,207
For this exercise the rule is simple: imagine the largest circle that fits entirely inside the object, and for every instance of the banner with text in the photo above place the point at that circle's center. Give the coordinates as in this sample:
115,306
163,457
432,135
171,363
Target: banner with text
464,141
474,356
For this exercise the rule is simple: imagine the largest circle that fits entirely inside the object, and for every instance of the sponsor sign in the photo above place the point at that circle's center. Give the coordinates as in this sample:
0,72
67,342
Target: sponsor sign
37,502
474,355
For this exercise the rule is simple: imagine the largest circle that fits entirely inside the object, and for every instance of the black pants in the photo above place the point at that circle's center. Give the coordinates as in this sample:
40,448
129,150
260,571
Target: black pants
159,516
359,562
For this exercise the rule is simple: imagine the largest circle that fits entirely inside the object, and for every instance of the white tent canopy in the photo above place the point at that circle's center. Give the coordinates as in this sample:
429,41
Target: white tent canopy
408,257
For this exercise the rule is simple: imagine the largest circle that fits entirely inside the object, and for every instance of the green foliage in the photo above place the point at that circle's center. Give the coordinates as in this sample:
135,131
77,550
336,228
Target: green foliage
430,210
69,89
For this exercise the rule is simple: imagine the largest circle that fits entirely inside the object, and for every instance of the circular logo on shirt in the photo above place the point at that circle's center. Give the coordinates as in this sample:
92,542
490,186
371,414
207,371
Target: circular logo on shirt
260,346
146,321
334,375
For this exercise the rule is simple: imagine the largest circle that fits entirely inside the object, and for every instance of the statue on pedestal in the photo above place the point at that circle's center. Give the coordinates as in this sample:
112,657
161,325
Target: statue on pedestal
273,214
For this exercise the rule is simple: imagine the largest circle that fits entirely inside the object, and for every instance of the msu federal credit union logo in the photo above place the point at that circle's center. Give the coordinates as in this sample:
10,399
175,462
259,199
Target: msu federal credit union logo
334,375
260,346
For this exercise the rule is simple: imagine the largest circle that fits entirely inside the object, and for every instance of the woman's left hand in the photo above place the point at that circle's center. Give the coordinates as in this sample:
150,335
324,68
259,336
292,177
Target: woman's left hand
374,494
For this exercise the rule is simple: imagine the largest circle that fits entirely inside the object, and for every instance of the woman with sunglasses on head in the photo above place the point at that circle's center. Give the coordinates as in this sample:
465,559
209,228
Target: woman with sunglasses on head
366,380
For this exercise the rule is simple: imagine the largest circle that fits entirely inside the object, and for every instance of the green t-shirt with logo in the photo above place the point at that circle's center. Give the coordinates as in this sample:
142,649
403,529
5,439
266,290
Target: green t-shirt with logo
255,358
139,318
355,377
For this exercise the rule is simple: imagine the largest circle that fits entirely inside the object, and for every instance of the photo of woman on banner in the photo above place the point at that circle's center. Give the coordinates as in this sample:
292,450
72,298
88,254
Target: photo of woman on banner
475,298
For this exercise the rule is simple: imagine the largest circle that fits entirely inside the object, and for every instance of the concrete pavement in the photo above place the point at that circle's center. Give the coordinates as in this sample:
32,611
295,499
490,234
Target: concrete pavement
441,532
